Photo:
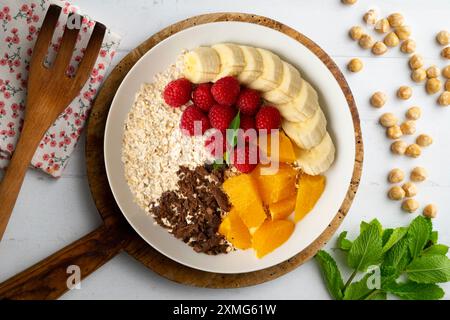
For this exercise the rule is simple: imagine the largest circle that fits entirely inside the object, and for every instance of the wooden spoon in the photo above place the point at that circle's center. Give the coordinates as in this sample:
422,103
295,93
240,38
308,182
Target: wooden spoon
50,91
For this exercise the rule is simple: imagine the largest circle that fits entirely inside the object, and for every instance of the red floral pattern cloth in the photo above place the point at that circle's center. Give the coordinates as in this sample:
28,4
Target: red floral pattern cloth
20,21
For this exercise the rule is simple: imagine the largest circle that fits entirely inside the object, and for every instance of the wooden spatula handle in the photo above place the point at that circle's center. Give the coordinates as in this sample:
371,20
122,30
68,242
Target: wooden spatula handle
48,278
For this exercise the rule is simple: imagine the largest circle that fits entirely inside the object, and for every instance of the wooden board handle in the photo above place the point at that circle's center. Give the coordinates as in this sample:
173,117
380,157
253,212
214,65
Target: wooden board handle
48,278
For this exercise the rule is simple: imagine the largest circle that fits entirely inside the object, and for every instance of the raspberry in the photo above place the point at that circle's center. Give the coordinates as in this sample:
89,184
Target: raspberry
247,123
216,144
190,116
177,92
248,102
202,97
221,116
245,159
268,118
226,90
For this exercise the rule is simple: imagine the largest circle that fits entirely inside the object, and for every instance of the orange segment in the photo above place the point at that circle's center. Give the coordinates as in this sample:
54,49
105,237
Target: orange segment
275,185
235,231
244,196
283,209
309,191
285,152
271,235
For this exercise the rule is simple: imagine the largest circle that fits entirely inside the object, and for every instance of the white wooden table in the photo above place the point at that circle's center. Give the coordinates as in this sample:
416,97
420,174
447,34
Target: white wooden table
51,214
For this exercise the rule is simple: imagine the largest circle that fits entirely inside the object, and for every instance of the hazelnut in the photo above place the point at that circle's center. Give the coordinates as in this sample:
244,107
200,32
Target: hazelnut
370,17
388,120
396,193
430,211
404,92
418,174
394,132
443,37
410,189
356,32
446,72
415,62
391,39
410,205
424,140
447,85
433,72
444,98
366,41
382,26
413,151
445,53
378,99
349,2
396,175
408,127
408,46
403,32
399,147
413,113
396,20
355,65
418,75
379,48
433,85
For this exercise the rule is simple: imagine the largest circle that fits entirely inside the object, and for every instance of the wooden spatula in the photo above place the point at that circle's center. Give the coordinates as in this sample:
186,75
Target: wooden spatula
50,90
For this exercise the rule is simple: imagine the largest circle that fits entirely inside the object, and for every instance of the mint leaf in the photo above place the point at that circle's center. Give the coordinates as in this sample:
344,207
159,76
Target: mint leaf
438,249
415,291
419,233
395,236
232,132
343,243
366,249
398,256
358,290
386,235
434,237
364,225
429,269
331,274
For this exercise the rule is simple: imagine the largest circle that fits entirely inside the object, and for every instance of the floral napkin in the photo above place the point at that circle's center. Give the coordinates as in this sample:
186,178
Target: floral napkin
20,21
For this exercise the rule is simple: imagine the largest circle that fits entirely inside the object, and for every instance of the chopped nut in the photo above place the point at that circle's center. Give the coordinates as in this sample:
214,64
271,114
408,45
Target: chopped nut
370,17
356,32
418,75
433,85
445,53
396,193
430,211
433,72
355,65
413,151
404,92
396,20
444,98
413,113
396,175
416,62
382,26
424,140
418,174
388,120
379,48
403,32
408,46
366,41
443,38
349,2
410,205
399,147
391,39
446,72
394,132
410,189
408,127
378,99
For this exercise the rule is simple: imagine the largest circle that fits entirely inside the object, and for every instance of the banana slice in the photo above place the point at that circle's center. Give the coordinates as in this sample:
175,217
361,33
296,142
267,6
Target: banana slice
309,133
289,87
304,105
231,59
318,159
272,72
253,65
201,65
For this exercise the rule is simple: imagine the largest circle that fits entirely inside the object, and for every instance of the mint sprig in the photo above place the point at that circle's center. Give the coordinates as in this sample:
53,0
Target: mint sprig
406,262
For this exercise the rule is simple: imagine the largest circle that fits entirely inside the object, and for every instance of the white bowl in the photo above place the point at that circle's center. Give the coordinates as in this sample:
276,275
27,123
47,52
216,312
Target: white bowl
332,100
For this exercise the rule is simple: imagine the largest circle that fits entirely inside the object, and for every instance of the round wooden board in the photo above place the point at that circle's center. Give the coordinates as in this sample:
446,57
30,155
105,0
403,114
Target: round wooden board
114,219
